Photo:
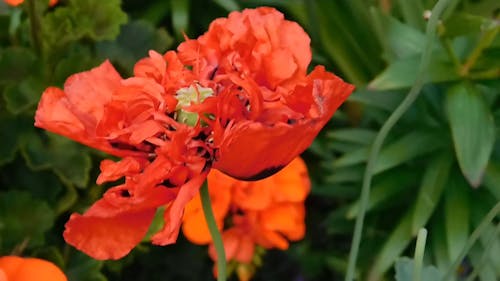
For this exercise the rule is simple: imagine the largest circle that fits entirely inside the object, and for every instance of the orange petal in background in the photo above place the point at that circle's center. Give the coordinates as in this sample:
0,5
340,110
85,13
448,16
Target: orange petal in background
29,269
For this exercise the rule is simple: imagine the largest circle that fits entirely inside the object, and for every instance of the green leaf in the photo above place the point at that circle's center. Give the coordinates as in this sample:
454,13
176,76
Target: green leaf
457,217
395,244
352,158
399,40
228,5
413,144
68,200
402,73
12,129
16,63
76,58
439,247
83,268
404,271
492,179
23,217
412,13
69,160
472,128
408,147
487,270
50,253
491,240
380,99
156,225
43,185
180,16
461,23
432,186
135,40
384,189
93,19
339,192
343,175
356,53
354,135
22,96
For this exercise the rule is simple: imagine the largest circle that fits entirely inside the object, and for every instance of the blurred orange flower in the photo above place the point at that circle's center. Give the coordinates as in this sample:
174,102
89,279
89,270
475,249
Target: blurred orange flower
266,213
13,268
19,2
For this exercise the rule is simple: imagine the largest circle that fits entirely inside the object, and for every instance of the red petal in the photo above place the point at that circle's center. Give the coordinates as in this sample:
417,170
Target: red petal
111,170
254,150
88,91
107,237
173,215
77,111
116,223
54,115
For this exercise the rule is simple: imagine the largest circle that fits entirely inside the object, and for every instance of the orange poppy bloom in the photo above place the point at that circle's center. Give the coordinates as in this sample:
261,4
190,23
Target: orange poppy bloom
269,109
14,268
265,213
163,161
19,2
238,99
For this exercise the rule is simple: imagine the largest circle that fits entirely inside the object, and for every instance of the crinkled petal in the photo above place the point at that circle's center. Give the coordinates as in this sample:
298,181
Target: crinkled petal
174,213
54,115
105,238
111,170
116,223
242,145
88,91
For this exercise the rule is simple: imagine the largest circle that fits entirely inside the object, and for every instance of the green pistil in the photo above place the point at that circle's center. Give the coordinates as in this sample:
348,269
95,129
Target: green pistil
187,96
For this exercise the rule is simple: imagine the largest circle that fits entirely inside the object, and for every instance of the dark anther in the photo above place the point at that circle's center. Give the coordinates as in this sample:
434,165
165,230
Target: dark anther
291,121
239,212
168,184
207,166
121,145
204,153
201,136
124,193
262,174
212,75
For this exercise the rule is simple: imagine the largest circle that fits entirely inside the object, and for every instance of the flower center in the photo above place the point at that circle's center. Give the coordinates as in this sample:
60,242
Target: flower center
194,94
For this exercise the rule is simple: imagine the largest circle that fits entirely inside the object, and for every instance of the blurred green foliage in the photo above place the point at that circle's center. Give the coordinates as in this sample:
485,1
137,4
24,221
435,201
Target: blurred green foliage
439,167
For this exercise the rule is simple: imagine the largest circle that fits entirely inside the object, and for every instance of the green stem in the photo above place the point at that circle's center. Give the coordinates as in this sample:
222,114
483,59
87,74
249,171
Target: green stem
418,258
472,239
384,131
486,255
35,26
486,40
214,232
451,53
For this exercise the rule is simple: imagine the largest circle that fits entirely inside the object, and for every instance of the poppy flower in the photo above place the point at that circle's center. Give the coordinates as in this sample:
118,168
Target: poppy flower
13,268
19,2
259,62
163,161
238,99
252,223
